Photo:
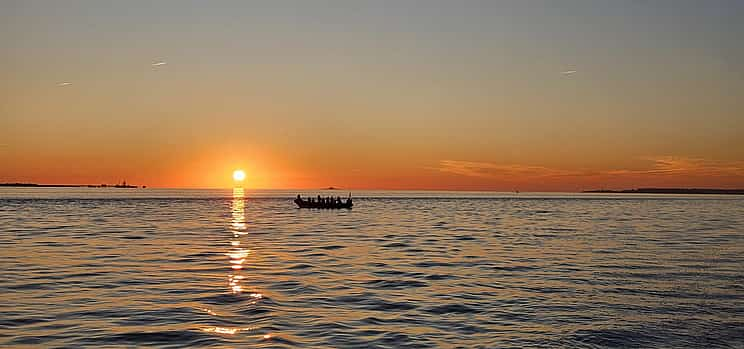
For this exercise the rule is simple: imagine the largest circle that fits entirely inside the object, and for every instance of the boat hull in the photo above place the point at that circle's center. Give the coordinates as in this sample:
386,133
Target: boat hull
307,204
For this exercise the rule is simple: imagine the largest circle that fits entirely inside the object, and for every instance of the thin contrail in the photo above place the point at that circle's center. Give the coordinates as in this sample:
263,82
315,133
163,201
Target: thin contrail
568,72
64,83
159,63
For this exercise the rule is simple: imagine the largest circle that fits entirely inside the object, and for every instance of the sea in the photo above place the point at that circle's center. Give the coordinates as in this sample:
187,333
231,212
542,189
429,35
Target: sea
241,268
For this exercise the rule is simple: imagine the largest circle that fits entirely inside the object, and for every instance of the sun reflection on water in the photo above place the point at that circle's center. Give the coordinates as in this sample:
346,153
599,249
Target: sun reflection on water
237,253
238,256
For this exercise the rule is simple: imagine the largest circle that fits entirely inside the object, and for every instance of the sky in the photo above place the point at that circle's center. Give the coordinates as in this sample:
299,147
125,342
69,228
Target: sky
458,95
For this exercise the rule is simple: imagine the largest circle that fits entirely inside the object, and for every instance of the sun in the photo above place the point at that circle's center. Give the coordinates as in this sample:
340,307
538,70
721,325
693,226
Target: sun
239,175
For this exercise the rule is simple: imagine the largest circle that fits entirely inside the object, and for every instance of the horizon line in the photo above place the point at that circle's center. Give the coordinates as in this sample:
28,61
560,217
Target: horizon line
597,191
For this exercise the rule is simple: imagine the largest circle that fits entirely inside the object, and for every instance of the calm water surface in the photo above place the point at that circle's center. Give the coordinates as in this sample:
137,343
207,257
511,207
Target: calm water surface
219,268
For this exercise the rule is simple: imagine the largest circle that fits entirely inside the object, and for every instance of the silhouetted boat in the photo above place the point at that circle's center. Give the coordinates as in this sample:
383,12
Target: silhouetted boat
329,205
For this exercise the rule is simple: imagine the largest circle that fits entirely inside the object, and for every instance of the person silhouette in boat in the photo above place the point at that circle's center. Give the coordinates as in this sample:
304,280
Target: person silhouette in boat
324,202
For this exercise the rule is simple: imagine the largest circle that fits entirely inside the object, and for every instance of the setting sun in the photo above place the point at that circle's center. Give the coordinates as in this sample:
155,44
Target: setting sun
239,175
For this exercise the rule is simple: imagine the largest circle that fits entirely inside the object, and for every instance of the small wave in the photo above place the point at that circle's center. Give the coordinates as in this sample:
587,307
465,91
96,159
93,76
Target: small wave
15,321
300,266
439,277
133,237
396,244
434,264
452,308
615,338
380,305
174,337
331,247
515,268
396,284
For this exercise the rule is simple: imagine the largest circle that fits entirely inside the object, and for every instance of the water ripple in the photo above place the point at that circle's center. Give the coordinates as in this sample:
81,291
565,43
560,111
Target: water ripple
394,272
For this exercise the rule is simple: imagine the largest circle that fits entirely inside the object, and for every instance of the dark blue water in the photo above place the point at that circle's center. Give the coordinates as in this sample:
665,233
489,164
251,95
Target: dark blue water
171,269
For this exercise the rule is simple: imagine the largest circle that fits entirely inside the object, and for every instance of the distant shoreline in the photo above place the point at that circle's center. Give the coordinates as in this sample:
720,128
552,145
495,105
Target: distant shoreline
35,185
670,191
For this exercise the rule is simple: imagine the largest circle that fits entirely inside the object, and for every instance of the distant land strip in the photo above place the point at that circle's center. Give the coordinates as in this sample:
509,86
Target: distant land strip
35,185
671,191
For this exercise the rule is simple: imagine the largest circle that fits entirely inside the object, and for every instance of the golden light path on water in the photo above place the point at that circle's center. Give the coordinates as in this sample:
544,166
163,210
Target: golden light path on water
238,254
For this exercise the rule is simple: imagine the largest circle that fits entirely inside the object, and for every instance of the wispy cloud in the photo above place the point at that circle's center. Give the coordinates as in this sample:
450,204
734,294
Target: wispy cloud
65,83
159,63
658,166
568,72
494,170
676,165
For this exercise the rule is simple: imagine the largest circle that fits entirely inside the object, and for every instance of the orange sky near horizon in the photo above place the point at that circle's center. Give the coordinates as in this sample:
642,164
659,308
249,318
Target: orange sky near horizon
528,96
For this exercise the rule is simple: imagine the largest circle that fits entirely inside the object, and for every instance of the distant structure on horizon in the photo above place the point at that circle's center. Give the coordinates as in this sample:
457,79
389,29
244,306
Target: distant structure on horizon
123,184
